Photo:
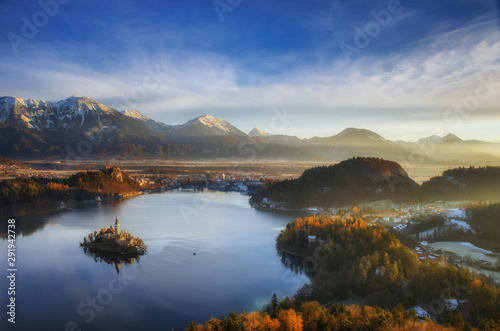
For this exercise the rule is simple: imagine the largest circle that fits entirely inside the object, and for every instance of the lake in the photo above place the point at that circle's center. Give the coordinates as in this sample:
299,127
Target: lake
235,268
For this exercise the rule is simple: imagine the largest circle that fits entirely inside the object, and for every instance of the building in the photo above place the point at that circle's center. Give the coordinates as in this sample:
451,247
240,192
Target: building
311,238
109,233
117,227
421,312
451,304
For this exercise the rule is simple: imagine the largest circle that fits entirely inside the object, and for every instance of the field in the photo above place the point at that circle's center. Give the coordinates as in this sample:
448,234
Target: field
464,249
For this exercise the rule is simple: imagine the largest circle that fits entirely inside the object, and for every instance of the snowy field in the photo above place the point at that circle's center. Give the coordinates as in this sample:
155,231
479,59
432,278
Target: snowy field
463,249
456,213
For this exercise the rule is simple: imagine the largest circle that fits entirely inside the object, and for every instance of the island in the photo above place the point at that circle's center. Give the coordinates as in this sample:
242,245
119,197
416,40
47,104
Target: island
112,240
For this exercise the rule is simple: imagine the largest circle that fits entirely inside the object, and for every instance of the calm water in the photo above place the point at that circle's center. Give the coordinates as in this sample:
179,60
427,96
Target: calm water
235,267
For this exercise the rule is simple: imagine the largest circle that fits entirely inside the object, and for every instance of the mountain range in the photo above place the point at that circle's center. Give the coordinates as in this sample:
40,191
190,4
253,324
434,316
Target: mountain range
81,127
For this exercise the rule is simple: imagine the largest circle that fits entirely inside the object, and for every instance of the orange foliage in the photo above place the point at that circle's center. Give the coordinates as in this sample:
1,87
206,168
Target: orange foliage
269,323
56,186
252,321
476,283
290,320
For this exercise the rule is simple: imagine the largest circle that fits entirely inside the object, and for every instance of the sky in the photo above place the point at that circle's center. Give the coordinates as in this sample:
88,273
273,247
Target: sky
404,69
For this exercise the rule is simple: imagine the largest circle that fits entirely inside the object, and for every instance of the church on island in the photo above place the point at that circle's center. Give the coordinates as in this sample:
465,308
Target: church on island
113,240
115,234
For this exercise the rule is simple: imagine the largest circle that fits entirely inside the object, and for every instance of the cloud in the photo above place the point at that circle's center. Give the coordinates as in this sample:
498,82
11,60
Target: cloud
409,87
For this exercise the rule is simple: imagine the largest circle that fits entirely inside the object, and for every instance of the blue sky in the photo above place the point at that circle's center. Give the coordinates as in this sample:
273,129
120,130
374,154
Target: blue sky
405,69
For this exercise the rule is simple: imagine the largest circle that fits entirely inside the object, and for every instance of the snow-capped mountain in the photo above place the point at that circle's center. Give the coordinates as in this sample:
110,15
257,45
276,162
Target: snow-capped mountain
222,126
135,114
207,126
73,114
258,132
202,126
39,128
156,126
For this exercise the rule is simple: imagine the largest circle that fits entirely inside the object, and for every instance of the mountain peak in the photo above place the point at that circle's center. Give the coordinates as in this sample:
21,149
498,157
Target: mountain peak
207,125
74,113
206,116
80,99
355,133
208,120
258,132
216,123
451,138
135,114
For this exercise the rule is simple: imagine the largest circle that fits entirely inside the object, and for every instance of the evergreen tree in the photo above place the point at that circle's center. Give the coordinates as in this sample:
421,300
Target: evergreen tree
232,322
274,305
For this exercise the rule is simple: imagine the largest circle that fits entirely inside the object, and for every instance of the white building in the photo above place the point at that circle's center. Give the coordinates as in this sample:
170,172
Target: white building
421,312
451,304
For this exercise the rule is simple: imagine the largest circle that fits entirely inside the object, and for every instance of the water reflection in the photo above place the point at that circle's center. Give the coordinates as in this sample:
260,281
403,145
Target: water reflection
296,264
24,227
117,260
235,267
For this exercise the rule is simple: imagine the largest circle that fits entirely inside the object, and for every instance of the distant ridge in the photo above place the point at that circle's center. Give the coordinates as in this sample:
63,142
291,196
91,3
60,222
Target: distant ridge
36,128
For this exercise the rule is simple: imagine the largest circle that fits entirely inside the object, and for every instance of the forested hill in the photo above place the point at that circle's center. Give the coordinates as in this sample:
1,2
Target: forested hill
106,181
473,183
347,183
349,255
361,180
22,196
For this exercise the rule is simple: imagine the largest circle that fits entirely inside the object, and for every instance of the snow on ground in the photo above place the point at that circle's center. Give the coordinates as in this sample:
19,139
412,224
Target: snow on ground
484,251
456,213
464,249
461,224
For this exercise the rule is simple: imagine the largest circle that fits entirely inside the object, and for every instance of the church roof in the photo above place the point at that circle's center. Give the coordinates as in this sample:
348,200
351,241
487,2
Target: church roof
110,230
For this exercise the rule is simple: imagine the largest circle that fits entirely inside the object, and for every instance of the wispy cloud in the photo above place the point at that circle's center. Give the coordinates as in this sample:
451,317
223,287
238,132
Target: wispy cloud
410,86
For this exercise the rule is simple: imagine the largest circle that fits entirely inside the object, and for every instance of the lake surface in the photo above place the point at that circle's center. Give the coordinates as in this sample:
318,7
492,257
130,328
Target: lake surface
235,268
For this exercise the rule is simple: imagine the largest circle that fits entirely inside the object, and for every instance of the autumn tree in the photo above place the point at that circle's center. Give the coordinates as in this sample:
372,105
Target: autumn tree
290,320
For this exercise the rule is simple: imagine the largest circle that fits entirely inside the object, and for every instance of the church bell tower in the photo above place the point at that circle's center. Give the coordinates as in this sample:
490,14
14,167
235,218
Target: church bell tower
117,227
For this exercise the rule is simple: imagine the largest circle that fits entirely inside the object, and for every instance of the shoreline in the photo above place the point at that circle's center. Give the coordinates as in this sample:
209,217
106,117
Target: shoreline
47,206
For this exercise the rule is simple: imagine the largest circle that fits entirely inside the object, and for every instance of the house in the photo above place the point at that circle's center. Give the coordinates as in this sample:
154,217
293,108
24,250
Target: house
421,312
451,304
311,238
